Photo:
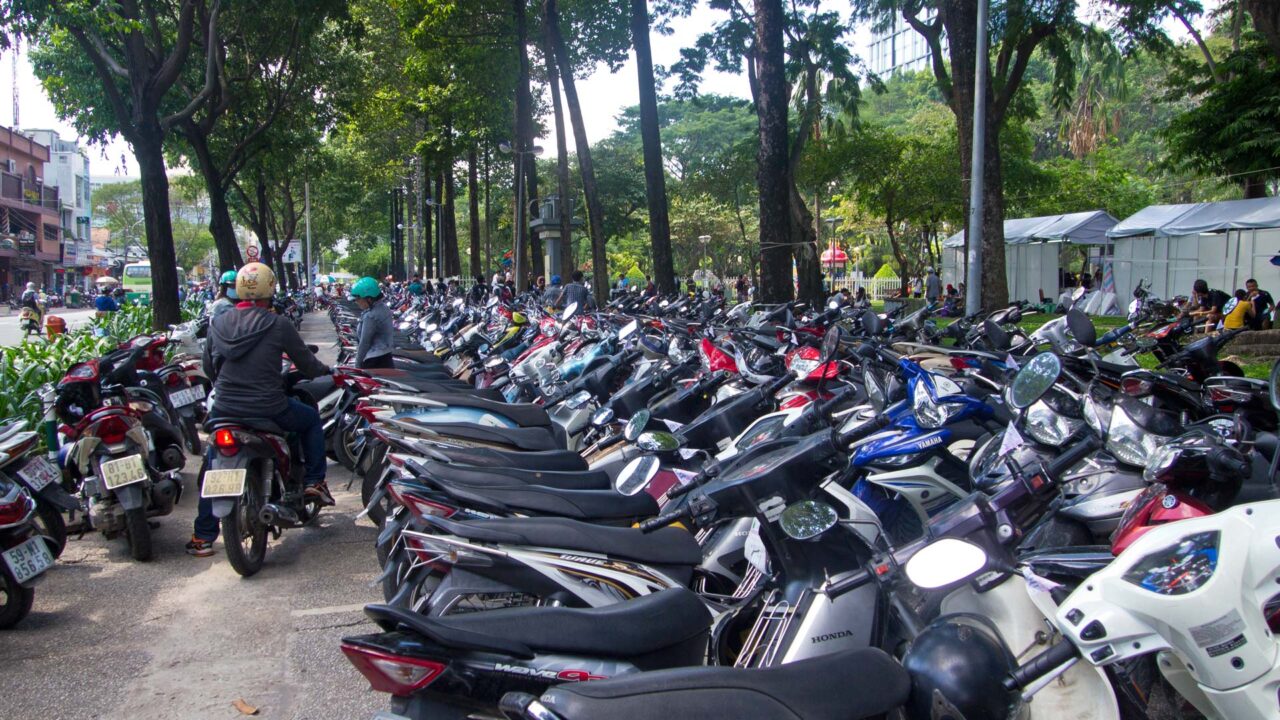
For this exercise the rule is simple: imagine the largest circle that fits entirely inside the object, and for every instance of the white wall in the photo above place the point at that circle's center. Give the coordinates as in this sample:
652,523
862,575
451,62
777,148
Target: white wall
1173,264
1028,268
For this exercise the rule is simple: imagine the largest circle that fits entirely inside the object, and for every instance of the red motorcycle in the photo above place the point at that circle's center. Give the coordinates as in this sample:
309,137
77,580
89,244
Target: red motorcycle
26,554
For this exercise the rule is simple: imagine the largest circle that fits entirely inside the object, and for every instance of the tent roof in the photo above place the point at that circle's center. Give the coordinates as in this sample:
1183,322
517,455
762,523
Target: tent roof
1084,228
1193,218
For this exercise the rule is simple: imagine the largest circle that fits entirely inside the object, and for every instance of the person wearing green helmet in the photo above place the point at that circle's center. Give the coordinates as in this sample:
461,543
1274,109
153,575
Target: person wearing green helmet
375,331
226,298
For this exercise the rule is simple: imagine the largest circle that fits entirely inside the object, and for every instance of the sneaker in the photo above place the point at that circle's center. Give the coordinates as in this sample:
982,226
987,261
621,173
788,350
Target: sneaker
319,491
199,548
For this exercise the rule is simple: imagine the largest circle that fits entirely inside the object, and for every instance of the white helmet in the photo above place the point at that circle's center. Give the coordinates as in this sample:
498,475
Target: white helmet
31,286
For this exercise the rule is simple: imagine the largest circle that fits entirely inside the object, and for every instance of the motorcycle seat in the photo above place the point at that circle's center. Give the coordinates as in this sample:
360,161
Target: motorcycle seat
850,684
260,424
421,356
10,429
535,438
493,457
315,389
565,480
647,624
668,546
526,415
600,505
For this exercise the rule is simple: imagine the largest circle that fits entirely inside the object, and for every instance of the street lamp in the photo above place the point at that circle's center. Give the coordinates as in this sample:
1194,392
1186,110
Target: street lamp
431,203
521,228
704,239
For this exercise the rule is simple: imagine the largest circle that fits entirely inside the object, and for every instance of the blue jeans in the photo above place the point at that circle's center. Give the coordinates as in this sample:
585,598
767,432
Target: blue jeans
299,418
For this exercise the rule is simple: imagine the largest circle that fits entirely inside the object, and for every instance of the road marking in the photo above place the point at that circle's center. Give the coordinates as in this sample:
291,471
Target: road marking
331,610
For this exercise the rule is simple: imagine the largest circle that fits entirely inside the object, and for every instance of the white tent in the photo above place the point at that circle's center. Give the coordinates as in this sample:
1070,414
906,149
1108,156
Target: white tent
1031,250
1225,243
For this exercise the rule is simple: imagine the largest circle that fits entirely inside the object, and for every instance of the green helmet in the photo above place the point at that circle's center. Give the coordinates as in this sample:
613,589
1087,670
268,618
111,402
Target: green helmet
228,278
366,287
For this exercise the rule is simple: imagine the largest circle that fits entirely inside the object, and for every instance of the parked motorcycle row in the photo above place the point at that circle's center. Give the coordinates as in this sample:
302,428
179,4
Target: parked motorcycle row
675,506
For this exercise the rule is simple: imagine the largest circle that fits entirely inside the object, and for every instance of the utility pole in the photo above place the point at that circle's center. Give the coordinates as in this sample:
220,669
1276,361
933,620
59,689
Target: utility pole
973,292
306,219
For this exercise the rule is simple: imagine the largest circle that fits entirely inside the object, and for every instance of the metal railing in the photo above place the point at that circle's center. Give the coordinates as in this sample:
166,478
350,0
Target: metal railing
37,195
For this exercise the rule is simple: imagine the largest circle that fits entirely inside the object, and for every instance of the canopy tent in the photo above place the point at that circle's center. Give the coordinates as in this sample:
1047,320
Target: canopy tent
834,256
1224,243
1031,255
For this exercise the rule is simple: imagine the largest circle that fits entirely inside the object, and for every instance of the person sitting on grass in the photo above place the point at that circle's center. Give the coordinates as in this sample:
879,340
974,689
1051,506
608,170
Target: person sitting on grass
1237,312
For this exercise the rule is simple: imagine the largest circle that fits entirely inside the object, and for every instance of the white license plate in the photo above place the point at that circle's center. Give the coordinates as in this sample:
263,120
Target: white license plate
183,397
222,483
29,559
39,472
197,391
125,471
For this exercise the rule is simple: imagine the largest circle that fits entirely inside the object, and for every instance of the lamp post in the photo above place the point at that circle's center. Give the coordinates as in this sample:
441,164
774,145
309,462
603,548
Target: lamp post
431,203
521,233
704,239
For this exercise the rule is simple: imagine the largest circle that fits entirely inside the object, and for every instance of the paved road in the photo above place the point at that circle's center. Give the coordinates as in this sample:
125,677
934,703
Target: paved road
10,334
184,637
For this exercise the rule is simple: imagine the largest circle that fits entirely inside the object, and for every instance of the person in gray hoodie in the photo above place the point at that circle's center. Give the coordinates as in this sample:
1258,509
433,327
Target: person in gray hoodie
375,331
242,357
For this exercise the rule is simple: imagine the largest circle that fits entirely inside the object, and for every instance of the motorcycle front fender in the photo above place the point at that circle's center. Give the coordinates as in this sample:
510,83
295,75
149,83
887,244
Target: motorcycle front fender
131,497
222,507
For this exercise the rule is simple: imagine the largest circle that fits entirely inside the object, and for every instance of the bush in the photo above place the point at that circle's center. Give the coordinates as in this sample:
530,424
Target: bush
886,273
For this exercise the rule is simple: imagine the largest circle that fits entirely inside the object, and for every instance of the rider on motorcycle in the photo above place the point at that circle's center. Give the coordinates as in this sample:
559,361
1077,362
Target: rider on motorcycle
242,356
32,311
226,299
375,330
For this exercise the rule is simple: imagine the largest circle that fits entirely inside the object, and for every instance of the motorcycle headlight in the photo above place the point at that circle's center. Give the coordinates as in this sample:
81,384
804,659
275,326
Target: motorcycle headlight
1097,415
1179,568
801,367
1048,426
437,337
897,460
930,414
578,399
1161,460
1129,443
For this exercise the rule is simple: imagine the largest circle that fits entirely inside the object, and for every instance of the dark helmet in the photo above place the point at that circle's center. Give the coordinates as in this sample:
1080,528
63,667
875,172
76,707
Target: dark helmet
956,666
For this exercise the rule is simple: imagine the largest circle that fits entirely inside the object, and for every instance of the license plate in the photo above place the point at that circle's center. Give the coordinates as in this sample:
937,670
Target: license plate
197,391
39,472
222,483
183,397
29,559
125,471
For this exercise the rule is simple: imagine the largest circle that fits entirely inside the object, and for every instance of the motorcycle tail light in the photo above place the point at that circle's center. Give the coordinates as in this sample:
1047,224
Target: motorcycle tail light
1135,387
111,429
1179,568
14,507
419,506
1219,395
395,674
173,379
225,441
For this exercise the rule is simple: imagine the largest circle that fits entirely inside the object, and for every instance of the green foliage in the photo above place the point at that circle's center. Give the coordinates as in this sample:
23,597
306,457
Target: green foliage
371,260
886,273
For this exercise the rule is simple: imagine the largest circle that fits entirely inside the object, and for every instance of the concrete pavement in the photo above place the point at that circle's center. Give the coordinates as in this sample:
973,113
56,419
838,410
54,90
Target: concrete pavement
184,637
11,334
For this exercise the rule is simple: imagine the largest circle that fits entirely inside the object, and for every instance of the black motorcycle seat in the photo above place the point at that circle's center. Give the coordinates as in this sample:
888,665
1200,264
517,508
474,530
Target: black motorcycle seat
316,388
421,356
493,457
525,415
577,504
844,685
644,625
535,438
568,480
668,546
265,425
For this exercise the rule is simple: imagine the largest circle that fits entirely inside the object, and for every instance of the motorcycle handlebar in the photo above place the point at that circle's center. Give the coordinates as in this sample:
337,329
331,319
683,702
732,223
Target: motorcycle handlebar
864,430
1071,456
1041,665
661,521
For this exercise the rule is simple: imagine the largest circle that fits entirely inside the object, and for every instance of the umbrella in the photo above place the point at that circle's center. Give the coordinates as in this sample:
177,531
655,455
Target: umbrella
107,280
834,256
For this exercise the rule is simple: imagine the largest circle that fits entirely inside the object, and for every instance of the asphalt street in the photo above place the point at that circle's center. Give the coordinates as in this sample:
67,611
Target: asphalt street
185,637
11,334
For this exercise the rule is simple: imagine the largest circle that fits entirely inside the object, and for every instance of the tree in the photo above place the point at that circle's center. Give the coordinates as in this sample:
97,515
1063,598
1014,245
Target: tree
654,177
772,173
137,53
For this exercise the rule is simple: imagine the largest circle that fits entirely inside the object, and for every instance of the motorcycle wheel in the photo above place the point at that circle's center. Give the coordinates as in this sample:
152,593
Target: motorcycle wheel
16,603
244,534
138,532
377,513
344,441
191,434
50,524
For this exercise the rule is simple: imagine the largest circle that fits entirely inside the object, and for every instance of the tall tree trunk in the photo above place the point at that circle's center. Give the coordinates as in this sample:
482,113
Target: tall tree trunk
1266,18
215,185
586,169
531,204
562,159
148,147
772,156
523,144
454,266
655,180
428,227
473,212
489,264
441,260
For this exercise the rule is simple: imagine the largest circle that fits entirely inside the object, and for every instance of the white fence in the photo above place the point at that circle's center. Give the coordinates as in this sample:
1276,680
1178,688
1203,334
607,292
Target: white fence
877,288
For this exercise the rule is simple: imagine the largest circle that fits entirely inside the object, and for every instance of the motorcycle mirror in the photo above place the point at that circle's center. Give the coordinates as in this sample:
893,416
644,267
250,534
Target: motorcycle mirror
663,304
493,300
431,327
1034,380
833,305
1082,328
437,337
1275,391
658,441
636,425
457,302
636,475
569,311
1077,295
871,322
944,562
494,362
830,342
807,519
602,417
628,330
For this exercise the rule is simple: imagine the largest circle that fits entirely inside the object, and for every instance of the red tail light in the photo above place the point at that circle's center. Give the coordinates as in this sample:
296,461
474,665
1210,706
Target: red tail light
110,429
225,441
1135,387
419,506
393,674
173,379
15,510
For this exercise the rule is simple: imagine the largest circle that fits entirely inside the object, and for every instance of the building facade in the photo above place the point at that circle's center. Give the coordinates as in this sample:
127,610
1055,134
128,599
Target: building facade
30,215
900,49
68,171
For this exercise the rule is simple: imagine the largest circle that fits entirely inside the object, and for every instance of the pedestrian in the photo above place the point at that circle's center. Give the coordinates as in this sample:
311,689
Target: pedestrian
540,286
577,292
932,286
1262,305
551,295
104,305
741,287
375,330
415,286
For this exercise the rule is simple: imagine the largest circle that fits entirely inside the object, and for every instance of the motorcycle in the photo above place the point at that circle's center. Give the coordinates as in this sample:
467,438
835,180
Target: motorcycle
27,554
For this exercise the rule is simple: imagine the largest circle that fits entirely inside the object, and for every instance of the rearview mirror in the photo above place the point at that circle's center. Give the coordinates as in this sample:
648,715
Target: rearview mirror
807,519
871,322
1082,328
494,361
636,475
1034,380
603,416
658,441
457,302
1275,378
569,311
830,342
945,562
628,330
493,300
636,425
